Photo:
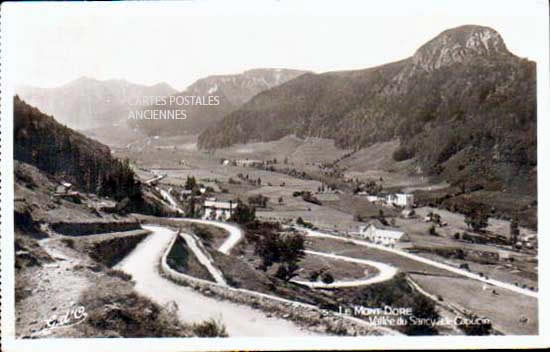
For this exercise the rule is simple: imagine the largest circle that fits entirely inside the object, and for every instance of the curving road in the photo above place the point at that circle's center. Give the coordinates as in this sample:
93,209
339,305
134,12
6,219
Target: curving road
201,256
433,263
386,272
239,320
235,233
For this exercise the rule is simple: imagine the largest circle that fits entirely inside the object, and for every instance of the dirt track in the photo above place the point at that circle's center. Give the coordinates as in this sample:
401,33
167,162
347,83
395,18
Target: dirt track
239,320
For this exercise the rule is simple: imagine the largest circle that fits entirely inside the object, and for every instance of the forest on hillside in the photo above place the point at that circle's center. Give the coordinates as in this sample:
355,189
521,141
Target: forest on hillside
41,141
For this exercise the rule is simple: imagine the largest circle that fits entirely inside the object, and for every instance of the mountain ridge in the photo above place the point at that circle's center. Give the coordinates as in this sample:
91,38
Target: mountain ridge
86,102
461,96
233,90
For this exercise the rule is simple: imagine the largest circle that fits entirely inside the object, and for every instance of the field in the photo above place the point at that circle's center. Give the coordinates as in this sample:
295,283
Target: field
349,249
505,309
340,270
338,211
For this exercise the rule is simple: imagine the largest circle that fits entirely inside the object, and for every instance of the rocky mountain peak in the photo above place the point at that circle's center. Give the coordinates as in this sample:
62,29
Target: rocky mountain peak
458,45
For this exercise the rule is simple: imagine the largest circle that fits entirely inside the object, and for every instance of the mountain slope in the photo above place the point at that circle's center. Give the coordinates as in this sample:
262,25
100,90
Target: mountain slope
231,91
62,154
59,151
463,106
89,103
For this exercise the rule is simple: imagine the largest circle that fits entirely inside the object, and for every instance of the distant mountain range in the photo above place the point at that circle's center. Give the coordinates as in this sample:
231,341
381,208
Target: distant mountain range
90,103
231,90
463,106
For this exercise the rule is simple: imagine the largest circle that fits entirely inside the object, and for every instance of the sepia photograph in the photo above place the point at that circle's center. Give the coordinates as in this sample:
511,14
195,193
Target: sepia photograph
273,175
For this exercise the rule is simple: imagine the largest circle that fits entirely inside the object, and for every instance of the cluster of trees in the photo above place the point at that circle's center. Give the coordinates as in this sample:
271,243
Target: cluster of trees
57,150
284,249
477,219
258,200
324,274
243,214
247,179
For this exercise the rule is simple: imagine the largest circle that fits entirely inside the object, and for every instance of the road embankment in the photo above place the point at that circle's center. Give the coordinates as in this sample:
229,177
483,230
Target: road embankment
305,315
94,227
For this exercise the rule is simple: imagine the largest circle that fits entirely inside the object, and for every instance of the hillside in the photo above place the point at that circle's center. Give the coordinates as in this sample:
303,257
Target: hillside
90,103
463,107
232,91
60,151
65,155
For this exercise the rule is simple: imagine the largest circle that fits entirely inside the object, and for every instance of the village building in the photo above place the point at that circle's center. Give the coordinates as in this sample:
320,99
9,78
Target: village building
384,235
400,199
373,198
219,210
248,162
63,188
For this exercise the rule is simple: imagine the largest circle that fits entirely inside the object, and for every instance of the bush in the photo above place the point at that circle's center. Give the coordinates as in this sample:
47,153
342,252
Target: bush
314,275
402,153
209,328
120,274
69,242
327,278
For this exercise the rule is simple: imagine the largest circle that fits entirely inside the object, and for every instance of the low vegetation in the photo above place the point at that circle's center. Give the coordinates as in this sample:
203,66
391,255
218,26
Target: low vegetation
396,293
182,259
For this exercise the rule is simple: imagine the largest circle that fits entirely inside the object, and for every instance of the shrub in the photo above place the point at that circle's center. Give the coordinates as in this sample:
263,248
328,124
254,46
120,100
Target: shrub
120,274
69,242
209,328
402,153
314,275
327,278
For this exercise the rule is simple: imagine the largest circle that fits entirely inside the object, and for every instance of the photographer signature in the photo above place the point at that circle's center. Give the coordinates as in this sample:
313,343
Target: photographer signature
75,315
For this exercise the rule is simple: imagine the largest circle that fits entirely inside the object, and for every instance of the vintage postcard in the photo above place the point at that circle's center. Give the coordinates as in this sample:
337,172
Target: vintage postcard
274,175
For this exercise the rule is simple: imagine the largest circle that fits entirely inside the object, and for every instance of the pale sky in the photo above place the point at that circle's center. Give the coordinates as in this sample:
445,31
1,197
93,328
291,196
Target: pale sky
177,43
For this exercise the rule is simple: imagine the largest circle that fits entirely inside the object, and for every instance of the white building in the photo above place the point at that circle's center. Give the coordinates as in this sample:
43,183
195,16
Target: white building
219,210
372,198
383,235
248,162
400,199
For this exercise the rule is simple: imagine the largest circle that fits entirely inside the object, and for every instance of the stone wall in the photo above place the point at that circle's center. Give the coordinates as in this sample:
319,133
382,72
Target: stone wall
308,316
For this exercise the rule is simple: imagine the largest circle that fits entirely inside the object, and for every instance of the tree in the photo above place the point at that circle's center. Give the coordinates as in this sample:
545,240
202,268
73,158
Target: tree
514,231
477,220
258,200
243,214
281,200
190,208
287,271
327,278
286,250
190,183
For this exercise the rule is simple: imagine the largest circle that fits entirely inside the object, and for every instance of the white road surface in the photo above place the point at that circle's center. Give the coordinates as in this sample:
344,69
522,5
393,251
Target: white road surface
235,233
242,321
433,263
386,272
203,259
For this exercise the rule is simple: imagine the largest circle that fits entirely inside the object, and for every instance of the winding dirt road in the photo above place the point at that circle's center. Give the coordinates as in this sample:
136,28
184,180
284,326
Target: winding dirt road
386,272
142,263
433,263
